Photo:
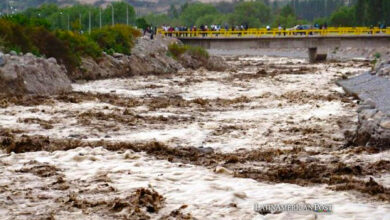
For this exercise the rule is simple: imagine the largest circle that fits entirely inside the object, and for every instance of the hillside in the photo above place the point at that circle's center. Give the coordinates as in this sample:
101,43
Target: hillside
305,9
143,6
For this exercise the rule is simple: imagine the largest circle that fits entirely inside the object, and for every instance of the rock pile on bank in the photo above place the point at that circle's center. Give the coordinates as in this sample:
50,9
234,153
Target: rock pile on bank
212,63
150,57
382,69
147,57
28,74
373,89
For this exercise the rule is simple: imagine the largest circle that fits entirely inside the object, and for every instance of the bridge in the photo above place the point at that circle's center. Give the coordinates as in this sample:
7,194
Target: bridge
313,39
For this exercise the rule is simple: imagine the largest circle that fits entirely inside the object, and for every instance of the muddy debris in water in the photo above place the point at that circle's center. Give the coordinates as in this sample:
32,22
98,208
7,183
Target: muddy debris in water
338,176
282,165
45,124
303,97
248,76
138,205
178,214
291,69
46,171
126,117
39,169
153,103
25,143
27,100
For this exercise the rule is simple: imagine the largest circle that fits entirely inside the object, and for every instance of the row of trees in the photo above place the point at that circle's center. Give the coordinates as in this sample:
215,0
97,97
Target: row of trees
260,13
252,13
363,13
80,17
312,9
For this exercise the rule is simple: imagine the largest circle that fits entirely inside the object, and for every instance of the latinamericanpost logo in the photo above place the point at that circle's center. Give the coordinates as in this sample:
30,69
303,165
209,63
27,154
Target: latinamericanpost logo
299,207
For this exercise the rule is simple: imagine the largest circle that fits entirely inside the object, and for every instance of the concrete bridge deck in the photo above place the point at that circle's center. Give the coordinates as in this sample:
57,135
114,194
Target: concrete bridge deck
310,41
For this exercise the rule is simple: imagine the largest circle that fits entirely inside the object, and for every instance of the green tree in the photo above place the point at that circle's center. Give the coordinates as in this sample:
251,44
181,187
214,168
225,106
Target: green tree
386,8
374,11
159,19
287,10
141,23
287,18
361,12
343,17
207,19
253,14
192,12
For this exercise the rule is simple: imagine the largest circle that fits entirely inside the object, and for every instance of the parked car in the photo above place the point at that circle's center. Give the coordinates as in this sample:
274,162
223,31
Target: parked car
302,27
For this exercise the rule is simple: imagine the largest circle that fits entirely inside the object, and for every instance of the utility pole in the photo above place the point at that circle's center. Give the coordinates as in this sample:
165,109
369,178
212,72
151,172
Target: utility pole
112,15
7,7
127,15
100,18
326,7
60,21
80,23
294,5
89,28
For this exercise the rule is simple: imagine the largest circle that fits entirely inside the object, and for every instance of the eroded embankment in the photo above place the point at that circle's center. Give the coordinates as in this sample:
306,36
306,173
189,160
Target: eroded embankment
272,120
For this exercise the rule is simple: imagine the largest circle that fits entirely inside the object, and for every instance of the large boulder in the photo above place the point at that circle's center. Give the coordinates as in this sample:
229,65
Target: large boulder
191,62
28,74
212,63
106,66
150,56
215,63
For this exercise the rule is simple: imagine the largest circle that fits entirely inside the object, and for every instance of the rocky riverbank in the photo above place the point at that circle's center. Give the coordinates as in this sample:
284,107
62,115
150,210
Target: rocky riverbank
147,57
373,89
268,130
28,74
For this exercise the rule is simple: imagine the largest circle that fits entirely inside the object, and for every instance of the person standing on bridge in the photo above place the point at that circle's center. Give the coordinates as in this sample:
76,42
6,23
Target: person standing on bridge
280,29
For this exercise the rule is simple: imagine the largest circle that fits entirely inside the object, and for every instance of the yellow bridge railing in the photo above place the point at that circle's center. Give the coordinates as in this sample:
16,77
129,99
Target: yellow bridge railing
262,32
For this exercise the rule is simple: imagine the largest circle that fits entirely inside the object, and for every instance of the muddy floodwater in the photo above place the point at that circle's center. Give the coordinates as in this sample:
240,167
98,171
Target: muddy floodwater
194,145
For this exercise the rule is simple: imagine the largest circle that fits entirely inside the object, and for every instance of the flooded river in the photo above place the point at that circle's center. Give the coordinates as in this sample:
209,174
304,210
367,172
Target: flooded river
197,144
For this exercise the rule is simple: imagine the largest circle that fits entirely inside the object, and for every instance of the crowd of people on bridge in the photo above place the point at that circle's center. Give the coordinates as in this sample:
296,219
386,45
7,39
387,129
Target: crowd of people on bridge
184,31
181,31
239,30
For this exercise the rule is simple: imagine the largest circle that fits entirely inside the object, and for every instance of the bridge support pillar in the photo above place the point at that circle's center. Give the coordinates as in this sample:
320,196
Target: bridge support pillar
312,54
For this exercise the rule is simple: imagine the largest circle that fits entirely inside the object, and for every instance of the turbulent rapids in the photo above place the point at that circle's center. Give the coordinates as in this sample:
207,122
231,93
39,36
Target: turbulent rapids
199,144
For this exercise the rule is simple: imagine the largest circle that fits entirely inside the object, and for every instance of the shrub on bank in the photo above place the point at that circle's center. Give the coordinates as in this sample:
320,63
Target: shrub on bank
37,40
67,47
80,45
25,21
176,50
50,45
14,37
118,38
198,52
